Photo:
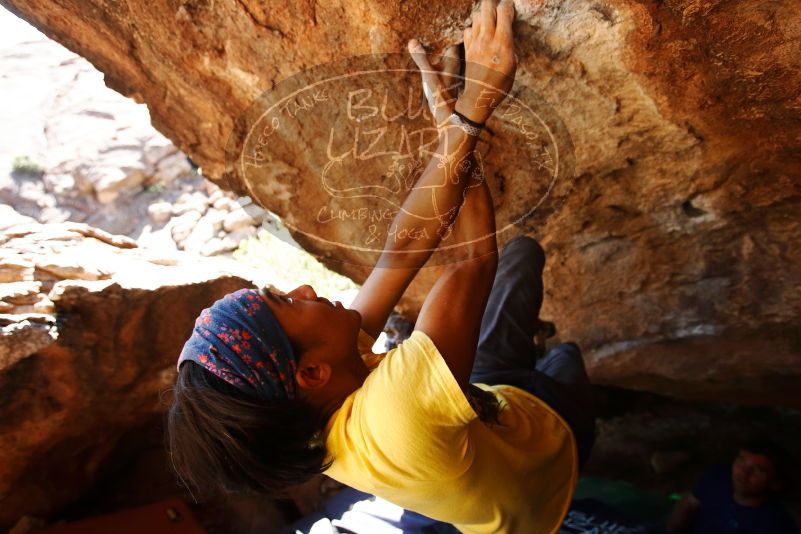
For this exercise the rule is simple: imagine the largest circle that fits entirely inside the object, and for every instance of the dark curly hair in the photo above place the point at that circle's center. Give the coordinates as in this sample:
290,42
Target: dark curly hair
222,440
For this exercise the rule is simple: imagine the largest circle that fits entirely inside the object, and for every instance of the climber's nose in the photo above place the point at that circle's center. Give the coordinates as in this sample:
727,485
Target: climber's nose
305,291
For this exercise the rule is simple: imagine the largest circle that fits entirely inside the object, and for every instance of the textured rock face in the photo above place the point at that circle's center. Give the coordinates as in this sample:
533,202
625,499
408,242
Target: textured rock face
672,247
93,156
95,148
90,329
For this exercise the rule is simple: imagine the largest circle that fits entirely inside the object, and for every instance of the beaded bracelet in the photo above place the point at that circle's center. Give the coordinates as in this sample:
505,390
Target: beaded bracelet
470,127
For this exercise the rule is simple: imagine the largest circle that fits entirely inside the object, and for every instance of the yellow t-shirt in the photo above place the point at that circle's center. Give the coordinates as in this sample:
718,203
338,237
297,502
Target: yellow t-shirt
410,436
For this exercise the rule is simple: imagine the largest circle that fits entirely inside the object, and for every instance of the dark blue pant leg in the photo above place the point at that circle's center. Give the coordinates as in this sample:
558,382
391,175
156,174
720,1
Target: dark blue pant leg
511,316
506,352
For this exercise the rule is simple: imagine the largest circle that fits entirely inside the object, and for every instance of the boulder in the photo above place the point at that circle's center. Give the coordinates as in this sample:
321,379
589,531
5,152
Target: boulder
196,201
91,326
74,150
237,220
160,212
669,218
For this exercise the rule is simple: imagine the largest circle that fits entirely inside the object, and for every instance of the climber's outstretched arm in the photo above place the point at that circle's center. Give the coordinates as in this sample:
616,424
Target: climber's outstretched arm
431,207
426,213
458,299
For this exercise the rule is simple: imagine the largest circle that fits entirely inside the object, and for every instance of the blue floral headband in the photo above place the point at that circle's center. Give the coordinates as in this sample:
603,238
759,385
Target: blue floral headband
240,340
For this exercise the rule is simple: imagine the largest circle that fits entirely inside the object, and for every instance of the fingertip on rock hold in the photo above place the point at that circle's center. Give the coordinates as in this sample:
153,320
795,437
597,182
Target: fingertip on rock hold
414,45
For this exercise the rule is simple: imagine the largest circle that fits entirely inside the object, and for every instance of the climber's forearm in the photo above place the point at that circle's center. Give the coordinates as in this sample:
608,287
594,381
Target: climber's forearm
431,205
475,224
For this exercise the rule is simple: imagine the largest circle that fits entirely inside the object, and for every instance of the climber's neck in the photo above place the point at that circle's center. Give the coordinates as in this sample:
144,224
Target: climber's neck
337,382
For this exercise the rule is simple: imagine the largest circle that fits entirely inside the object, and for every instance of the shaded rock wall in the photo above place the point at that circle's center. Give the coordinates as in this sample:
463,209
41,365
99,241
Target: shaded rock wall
671,245
90,330
667,445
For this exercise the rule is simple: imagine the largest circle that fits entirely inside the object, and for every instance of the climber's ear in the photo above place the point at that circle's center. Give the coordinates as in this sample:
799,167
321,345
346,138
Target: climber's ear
313,375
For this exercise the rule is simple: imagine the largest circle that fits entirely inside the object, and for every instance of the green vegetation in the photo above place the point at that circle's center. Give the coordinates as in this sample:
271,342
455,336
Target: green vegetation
156,188
26,165
285,264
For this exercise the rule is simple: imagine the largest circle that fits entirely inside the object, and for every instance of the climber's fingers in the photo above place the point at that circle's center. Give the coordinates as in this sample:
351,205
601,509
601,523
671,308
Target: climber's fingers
418,54
506,17
432,83
429,74
467,37
486,20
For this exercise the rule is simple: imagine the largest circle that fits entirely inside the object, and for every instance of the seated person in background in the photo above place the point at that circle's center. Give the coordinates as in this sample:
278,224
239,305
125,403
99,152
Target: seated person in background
740,499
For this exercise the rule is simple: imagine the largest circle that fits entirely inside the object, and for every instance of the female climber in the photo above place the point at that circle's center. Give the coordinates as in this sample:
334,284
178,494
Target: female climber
465,421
